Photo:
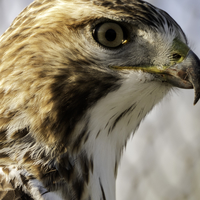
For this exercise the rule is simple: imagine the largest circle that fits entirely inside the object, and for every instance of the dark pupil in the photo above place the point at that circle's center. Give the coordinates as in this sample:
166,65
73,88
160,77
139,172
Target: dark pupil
110,35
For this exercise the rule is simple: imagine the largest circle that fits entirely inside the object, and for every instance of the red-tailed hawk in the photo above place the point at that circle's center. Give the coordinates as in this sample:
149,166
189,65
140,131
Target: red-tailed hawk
76,79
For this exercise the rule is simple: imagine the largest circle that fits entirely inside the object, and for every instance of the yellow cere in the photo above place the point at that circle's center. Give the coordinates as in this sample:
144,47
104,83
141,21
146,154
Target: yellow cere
179,48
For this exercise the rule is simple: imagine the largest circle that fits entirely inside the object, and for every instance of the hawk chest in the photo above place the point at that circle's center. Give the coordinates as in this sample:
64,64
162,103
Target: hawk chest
107,126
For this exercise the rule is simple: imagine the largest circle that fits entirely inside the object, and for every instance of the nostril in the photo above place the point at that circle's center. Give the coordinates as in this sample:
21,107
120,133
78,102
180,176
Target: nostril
176,56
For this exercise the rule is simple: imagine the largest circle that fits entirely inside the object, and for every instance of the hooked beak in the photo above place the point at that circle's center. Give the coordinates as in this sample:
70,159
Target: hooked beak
185,74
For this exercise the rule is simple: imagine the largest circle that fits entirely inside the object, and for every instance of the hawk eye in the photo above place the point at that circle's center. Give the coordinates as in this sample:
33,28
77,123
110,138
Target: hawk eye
109,34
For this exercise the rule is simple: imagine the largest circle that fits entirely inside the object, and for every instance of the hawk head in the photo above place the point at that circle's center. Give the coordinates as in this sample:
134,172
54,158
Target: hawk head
77,77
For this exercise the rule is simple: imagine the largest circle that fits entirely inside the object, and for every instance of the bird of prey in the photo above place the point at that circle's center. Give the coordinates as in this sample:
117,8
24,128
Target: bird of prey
76,79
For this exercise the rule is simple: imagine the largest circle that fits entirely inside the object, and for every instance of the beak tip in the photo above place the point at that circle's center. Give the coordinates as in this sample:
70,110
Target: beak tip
197,97
193,72
194,103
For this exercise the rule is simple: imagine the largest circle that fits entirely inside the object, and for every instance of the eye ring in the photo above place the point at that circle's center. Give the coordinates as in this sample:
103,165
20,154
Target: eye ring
109,34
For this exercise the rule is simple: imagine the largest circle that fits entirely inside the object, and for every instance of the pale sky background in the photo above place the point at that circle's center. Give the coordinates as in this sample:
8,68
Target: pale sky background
162,160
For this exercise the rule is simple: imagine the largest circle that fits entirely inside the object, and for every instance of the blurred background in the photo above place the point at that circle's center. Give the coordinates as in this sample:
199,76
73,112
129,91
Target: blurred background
162,160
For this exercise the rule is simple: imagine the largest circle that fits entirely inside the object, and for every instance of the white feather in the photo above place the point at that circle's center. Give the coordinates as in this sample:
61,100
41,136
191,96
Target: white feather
106,148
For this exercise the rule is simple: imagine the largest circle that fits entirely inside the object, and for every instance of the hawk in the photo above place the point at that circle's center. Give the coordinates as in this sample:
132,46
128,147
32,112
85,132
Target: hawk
76,79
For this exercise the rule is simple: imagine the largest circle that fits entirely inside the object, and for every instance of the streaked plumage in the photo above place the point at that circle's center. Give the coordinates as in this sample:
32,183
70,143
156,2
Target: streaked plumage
71,95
